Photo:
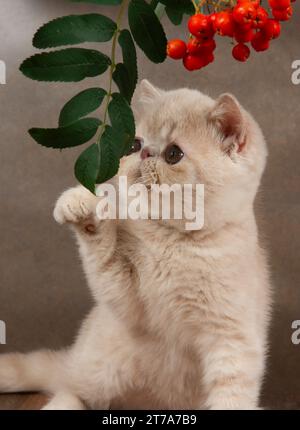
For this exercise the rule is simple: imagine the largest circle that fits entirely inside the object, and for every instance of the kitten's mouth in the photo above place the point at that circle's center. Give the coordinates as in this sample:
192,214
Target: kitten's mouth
144,173
148,173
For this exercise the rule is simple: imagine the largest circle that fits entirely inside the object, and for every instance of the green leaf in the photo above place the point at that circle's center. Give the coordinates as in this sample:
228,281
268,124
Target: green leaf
122,120
174,15
66,65
74,134
87,167
104,2
82,104
122,79
129,53
74,29
110,144
185,6
154,3
147,30
129,58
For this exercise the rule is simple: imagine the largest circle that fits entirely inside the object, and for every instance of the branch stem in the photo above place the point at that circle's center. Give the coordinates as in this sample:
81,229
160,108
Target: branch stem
112,67
159,10
196,6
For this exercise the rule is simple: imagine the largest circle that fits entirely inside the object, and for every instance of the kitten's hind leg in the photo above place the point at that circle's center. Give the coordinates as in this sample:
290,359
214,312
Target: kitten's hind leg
232,371
63,401
36,371
105,361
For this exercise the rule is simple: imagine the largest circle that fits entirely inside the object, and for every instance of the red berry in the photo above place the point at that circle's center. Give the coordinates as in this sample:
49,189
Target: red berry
243,27
244,13
243,36
272,29
196,47
176,49
255,3
208,58
261,18
208,46
200,26
280,4
213,17
260,42
193,62
283,15
193,46
224,24
241,52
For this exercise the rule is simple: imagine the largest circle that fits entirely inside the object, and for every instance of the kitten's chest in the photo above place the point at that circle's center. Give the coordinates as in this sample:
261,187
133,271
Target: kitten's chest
174,285
184,286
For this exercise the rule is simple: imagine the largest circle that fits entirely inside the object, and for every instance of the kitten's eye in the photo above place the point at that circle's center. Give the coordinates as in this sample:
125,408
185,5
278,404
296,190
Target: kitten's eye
136,146
173,154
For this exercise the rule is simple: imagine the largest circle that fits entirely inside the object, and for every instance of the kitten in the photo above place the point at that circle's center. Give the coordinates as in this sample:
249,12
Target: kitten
180,317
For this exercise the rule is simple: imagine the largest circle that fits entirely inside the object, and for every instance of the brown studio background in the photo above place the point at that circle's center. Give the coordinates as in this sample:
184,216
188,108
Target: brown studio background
43,294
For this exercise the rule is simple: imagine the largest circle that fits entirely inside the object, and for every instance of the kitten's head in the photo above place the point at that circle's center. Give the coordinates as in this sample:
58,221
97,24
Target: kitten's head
185,137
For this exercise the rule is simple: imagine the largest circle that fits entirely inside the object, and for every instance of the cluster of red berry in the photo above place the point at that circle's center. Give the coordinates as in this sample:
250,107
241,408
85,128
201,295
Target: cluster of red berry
246,22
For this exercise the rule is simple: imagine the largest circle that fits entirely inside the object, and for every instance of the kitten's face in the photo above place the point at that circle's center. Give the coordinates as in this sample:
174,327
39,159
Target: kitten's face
185,137
168,132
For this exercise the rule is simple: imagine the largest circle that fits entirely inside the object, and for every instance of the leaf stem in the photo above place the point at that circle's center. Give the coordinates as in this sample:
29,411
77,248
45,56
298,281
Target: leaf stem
159,10
196,6
112,67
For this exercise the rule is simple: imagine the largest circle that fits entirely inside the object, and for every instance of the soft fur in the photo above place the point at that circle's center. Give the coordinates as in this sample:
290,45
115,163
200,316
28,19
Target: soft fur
180,317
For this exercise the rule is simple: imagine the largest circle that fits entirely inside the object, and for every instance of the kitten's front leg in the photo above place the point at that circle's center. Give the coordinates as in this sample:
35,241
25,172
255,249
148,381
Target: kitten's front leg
107,270
233,367
96,238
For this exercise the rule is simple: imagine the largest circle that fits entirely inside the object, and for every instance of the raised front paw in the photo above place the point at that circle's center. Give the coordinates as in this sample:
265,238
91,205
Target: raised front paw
75,206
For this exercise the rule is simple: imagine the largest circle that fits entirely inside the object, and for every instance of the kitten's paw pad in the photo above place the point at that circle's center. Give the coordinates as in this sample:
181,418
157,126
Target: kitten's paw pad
74,205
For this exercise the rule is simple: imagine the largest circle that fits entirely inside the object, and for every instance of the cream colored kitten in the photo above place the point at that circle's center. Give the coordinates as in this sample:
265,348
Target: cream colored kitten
180,317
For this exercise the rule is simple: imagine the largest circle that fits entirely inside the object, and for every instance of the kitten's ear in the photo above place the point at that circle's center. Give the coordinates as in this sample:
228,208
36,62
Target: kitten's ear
148,93
229,119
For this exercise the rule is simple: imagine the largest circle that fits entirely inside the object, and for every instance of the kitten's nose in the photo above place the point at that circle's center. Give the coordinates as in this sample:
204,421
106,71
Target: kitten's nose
146,153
